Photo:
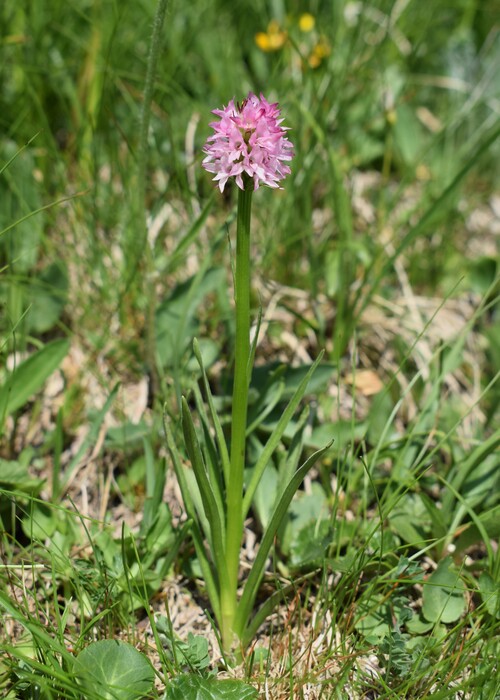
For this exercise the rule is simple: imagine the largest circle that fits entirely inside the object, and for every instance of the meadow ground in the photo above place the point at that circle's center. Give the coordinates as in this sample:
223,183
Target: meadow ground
117,250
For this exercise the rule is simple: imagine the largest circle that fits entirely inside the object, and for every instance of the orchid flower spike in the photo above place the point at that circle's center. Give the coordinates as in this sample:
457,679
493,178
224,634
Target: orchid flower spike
248,140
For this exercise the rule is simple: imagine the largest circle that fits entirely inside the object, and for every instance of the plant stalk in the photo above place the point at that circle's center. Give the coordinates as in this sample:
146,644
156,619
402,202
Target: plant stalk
234,487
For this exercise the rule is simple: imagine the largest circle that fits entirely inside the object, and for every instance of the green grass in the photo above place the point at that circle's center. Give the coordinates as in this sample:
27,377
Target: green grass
382,249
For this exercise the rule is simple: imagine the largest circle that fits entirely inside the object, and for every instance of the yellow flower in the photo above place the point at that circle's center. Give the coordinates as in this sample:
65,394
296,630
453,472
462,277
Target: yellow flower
306,22
272,40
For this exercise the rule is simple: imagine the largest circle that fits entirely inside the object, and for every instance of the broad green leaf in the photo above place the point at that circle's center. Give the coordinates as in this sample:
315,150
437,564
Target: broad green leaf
265,495
292,377
127,435
29,376
482,273
490,522
47,294
175,321
380,415
307,509
114,670
419,625
191,687
310,544
410,520
466,467
443,596
209,351
483,482
16,476
408,135
343,432
41,522
490,594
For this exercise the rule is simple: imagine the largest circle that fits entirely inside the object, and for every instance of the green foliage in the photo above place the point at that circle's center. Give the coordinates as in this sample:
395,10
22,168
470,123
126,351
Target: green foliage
191,655
114,670
176,322
29,376
444,594
488,589
190,687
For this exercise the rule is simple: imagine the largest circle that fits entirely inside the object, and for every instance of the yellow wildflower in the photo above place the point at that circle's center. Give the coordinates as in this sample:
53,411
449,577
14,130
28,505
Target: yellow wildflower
306,22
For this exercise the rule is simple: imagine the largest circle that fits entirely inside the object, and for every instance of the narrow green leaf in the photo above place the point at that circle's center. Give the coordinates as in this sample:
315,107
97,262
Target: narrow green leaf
40,209
209,450
219,434
215,517
462,471
155,482
28,377
253,346
294,451
253,582
191,235
209,574
269,605
276,435
18,152
268,408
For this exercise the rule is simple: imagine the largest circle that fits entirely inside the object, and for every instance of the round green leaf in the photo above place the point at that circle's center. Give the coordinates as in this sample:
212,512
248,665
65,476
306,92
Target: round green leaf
114,670
191,687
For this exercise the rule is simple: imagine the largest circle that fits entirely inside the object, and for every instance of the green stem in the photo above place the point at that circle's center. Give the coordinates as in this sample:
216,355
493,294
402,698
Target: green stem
234,529
345,270
154,53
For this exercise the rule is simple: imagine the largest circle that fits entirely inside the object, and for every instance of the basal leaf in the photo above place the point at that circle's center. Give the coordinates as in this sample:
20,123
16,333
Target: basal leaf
191,687
114,670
